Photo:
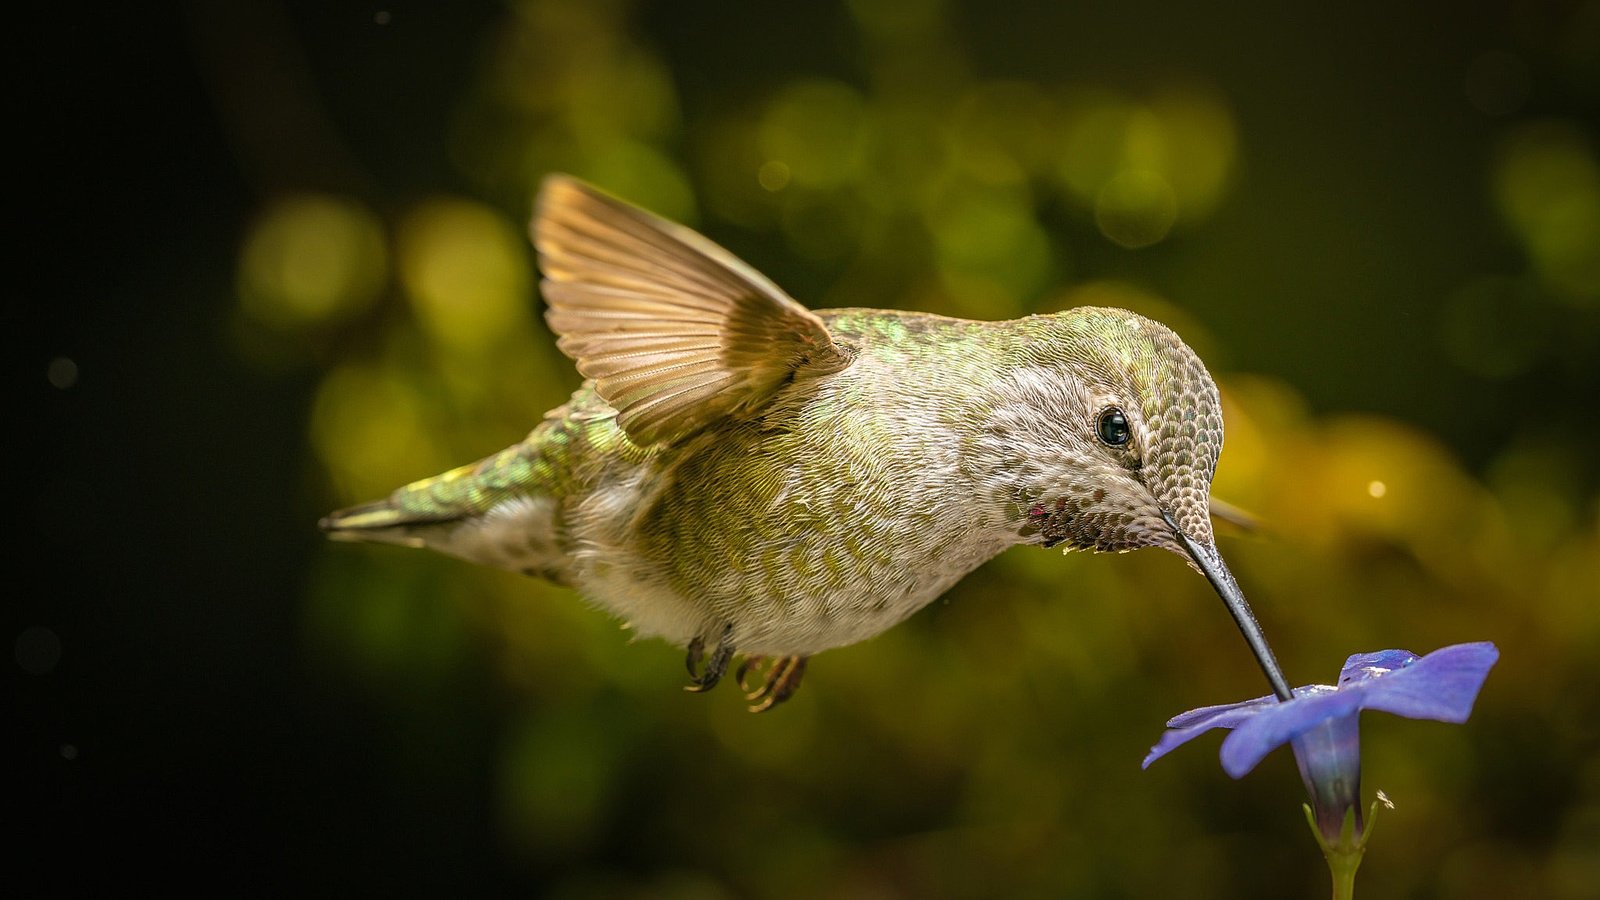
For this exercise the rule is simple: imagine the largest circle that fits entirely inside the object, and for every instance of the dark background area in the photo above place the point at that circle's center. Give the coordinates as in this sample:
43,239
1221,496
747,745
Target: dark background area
194,709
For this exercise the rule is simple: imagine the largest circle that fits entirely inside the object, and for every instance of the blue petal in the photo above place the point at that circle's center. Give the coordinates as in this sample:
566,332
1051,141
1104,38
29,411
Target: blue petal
1329,758
1442,685
1205,715
1271,727
1187,726
1364,666
1184,727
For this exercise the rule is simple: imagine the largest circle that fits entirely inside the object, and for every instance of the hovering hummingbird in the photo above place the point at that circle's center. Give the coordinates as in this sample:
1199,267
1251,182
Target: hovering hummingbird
742,476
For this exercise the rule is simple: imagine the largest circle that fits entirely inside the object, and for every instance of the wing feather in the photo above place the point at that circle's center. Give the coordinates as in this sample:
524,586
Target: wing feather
675,331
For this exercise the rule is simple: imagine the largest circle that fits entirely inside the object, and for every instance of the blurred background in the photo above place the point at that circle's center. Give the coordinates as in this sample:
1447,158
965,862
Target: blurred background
272,261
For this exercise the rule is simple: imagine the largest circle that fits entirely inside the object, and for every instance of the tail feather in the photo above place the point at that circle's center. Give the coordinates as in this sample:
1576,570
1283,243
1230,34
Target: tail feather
462,493
498,511
485,513
378,521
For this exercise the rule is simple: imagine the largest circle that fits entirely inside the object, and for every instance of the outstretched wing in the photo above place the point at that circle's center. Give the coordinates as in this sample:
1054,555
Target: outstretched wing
675,331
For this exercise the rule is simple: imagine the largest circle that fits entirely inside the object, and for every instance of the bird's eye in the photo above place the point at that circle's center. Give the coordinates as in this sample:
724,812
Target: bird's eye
1113,427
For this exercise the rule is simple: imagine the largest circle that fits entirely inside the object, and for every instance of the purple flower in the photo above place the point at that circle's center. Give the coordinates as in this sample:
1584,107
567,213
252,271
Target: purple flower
1320,723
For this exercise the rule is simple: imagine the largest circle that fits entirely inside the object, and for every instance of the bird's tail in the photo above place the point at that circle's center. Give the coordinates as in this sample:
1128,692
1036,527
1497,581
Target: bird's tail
421,513
503,511
379,521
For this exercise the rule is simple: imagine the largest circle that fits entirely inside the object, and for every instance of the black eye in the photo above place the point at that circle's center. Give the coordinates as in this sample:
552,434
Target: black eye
1113,427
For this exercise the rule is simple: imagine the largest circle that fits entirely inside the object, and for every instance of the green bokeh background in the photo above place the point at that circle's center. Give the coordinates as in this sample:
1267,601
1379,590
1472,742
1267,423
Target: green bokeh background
272,262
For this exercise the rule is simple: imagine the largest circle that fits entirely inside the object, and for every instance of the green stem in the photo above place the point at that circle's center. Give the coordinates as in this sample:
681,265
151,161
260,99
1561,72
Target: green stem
1344,852
1343,868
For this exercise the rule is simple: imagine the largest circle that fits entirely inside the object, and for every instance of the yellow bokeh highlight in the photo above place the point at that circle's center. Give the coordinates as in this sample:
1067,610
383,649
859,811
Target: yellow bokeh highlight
1257,413
1547,185
1095,128
567,63
1143,166
312,259
465,269
1199,146
1136,208
773,175
369,426
819,129
645,176
992,251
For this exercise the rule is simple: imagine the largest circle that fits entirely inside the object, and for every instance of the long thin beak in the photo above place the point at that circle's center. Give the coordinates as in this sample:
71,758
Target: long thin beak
1216,571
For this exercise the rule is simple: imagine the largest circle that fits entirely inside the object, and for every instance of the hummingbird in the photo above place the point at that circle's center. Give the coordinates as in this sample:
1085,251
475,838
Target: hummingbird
747,478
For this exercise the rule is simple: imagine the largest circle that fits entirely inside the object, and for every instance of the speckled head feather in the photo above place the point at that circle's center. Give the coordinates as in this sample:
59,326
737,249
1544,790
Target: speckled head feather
1071,486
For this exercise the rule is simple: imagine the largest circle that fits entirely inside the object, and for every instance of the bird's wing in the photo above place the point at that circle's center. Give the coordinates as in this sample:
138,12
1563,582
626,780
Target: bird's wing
675,331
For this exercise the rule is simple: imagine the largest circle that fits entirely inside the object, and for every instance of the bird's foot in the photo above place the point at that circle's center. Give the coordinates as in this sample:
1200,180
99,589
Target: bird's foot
704,678
783,679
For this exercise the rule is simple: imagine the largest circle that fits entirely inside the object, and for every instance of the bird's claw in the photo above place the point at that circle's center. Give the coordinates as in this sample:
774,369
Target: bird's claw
705,678
750,664
783,679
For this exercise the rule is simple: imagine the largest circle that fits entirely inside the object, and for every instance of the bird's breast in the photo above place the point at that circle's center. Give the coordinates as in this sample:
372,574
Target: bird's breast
816,535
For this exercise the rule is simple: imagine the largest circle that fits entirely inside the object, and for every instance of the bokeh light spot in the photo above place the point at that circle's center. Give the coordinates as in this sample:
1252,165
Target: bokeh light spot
1547,184
1136,209
1138,166
645,176
773,175
62,373
367,425
1095,142
312,259
991,249
819,129
465,270
1199,143
1376,489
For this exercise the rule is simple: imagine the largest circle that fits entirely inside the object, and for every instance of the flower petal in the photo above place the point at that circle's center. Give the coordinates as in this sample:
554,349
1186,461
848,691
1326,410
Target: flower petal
1185,727
1254,739
1364,666
1231,712
1442,685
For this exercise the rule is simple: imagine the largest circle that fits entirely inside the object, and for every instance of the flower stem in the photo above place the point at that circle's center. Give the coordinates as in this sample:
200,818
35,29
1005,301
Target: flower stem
1343,868
1344,851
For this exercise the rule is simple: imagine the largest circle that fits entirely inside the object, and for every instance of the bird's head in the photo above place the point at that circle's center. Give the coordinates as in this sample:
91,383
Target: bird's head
1106,433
